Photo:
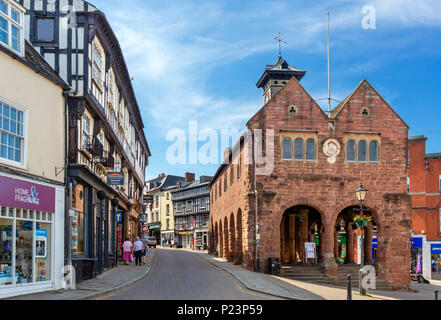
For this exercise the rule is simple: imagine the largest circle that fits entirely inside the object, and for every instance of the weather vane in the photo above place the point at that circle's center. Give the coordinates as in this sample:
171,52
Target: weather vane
280,40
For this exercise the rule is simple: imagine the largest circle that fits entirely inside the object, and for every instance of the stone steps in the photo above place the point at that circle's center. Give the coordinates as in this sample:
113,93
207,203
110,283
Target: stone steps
314,274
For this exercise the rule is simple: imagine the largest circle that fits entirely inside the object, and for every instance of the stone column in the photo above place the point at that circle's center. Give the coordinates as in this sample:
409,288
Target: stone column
282,239
368,244
350,243
291,238
305,230
329,264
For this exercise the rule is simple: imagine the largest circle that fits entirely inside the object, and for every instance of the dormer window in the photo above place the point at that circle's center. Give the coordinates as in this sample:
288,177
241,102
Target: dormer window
11,26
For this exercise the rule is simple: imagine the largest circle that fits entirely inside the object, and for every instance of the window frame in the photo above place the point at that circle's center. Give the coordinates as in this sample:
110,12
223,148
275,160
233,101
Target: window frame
366,150
34,31
24,158
291,145
367,138
306,150
17,7
304,137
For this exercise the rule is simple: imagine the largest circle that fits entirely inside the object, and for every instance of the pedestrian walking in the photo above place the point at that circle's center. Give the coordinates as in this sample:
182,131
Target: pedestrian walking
138,248
127,250
144,252
169,243
176,242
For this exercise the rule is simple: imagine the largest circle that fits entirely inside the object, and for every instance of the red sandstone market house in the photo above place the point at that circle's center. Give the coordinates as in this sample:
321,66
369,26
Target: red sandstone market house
319,161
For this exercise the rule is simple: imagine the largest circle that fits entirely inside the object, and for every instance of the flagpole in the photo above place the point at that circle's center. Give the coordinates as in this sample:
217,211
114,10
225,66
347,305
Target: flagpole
329,73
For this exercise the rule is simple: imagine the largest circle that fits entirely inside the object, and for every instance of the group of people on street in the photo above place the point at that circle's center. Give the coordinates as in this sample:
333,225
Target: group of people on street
139,249
169,242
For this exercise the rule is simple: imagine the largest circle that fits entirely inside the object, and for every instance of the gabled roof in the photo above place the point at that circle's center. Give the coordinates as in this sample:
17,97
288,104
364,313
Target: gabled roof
336,111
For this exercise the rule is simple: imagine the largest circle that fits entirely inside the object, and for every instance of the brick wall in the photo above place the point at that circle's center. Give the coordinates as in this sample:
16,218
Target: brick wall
329,188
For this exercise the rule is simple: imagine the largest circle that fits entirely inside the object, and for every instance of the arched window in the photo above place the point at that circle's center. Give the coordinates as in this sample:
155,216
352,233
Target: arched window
362,152
373,151
350,150
310,149
287,149
298,149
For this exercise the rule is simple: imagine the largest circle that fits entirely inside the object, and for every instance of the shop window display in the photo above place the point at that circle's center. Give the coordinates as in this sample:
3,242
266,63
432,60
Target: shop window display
30,253
42,252
5,251
78,221
23,251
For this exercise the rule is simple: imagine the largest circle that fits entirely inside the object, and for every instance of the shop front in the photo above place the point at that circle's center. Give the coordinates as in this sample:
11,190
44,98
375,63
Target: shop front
420,256
185,239
155,231
31,235
435,251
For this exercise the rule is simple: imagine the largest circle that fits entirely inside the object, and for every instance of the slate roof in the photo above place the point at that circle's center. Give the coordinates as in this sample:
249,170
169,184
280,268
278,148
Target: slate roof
165,182
280,69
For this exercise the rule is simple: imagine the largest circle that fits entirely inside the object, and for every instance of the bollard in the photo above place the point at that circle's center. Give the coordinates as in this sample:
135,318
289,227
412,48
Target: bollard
436,294
349,287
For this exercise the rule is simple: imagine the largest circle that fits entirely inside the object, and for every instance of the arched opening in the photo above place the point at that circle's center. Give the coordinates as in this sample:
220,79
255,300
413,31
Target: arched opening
221,240
299,225
239,254
216,240
232,242
226,240
347,237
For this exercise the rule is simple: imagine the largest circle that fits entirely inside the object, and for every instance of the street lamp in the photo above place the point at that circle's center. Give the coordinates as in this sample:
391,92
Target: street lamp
361,196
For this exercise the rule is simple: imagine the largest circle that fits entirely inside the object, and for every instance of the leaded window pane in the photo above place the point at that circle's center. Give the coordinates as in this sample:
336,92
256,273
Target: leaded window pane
3,7
298,149
287,149
310,149
362,150
350,152
373,151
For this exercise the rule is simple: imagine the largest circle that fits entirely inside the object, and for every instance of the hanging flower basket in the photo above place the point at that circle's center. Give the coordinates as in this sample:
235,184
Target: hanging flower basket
362,220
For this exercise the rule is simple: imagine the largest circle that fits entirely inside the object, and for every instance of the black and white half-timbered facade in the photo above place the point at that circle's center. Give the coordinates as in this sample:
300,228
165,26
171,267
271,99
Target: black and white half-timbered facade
105,128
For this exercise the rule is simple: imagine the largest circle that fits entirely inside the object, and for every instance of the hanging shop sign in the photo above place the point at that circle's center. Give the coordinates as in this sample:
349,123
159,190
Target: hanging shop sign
115,178
40,243
143,218
118,216
22,194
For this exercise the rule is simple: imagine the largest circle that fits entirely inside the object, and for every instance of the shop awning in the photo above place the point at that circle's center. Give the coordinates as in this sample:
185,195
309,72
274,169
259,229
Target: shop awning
186,232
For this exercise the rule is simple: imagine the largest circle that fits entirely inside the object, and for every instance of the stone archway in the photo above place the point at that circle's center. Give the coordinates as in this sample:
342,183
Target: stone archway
347,237
216,239
226,240
221,240
239,254
232,238
300,224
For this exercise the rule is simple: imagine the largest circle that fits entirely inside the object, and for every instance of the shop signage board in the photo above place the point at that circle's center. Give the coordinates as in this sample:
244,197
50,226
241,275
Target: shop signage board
115,178
26,195
435,248
154,225
416,242
310,250
118,216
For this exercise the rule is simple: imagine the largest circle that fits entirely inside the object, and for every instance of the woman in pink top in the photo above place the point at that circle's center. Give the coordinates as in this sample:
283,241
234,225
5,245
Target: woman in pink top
127,250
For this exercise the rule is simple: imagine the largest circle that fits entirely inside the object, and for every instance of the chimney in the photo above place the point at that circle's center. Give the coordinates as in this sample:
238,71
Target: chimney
189,177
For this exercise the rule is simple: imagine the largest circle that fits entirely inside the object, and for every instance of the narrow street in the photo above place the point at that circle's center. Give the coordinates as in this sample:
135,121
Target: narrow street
182,275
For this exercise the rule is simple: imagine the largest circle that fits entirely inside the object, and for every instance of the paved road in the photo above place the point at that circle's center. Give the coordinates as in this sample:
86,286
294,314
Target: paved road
182,275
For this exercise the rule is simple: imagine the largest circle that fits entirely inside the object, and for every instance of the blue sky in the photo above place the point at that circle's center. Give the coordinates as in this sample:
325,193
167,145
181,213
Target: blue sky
200,60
